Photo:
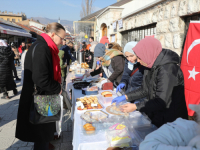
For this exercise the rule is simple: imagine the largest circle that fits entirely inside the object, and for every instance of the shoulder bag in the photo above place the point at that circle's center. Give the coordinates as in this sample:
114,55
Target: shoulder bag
44,108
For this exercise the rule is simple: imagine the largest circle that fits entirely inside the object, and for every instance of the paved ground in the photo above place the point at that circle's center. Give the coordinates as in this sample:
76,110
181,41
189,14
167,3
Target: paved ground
8,113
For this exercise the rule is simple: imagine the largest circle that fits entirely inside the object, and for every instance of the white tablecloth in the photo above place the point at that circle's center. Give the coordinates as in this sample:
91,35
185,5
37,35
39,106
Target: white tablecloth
81,141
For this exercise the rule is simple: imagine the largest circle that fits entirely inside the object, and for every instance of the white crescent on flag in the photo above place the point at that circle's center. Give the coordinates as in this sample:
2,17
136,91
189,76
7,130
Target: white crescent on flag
196,42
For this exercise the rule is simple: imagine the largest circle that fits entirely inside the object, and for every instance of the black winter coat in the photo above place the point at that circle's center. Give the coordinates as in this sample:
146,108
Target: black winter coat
163,85
117,64
39,72
132,82
6,76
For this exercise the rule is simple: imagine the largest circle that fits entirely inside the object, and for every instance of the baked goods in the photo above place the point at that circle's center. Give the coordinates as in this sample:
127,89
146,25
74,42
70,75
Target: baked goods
90,102
106,94
89,128
94,116
84,65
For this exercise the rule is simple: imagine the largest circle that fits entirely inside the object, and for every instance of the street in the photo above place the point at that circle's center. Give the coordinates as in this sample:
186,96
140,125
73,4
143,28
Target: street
8,113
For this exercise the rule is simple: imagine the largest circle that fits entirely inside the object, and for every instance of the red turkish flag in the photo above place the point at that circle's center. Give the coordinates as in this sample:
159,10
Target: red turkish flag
190,66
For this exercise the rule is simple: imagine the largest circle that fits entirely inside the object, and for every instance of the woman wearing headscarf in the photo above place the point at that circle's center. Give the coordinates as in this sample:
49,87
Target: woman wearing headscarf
133,71
163,84
112,62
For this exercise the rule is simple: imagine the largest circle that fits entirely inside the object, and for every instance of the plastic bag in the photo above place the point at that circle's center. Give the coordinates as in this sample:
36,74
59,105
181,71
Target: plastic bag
59,123
118,135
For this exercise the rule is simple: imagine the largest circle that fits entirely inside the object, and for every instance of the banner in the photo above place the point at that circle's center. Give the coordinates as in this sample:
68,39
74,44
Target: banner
120,23
114,25
190,66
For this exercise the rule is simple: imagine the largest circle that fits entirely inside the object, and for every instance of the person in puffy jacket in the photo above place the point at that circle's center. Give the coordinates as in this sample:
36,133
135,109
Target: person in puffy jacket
6,77
163,84
179,135
133,71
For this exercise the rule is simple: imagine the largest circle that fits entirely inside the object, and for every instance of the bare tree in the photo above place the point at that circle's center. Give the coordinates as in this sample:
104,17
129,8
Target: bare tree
87,7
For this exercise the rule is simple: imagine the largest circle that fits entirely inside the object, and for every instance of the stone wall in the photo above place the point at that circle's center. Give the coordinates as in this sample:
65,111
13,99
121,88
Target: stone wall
170,28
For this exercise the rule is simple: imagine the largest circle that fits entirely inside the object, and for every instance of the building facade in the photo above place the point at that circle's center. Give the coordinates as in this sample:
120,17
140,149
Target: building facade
12,17
13,32
166,20
32,23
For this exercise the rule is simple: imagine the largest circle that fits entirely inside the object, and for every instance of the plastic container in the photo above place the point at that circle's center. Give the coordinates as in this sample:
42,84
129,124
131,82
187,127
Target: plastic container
85,92
136,119
98,101
107,100
118,135
142,132
88,133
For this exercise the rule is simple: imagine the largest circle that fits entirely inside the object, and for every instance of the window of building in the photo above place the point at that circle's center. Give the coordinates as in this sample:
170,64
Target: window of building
18,20
13,20
187,20
138,34
8,19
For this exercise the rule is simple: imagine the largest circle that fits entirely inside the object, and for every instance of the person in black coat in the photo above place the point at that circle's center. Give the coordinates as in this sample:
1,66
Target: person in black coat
163,84
6,77
40,71
67,57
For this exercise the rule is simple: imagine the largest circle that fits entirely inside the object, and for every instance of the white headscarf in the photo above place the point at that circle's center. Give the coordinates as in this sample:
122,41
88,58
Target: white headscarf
128,48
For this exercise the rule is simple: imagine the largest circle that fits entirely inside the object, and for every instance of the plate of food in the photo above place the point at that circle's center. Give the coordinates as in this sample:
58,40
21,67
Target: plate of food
94,116
89,102
115,110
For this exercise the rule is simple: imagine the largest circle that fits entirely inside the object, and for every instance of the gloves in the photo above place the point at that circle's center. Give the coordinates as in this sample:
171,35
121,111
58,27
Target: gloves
98,63
120,86
119,99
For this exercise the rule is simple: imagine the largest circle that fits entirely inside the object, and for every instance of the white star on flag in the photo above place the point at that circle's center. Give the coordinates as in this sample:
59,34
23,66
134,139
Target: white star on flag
193,73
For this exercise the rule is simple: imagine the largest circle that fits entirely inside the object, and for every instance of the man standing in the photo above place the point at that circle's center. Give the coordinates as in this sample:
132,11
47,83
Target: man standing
67,56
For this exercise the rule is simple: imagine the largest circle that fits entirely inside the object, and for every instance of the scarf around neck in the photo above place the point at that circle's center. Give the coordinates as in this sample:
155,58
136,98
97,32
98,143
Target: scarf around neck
55,58
106,59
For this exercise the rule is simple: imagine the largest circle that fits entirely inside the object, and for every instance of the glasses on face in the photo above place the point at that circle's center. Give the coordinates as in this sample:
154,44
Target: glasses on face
63,39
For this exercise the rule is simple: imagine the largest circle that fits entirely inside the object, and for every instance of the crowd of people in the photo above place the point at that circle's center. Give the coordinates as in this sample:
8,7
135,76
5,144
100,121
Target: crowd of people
147,76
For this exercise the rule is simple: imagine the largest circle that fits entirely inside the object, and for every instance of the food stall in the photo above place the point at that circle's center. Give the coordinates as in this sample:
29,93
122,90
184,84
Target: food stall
98,124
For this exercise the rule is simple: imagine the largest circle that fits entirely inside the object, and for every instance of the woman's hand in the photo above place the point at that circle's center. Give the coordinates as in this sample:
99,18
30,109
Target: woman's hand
61,91
128,107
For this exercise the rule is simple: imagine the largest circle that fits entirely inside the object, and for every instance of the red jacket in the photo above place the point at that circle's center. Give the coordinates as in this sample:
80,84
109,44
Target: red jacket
20,49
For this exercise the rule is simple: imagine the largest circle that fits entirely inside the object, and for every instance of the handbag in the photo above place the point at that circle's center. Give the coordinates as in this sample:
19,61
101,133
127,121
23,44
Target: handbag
44,108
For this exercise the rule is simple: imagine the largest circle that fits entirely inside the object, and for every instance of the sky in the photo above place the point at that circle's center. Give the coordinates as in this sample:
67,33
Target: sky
53,9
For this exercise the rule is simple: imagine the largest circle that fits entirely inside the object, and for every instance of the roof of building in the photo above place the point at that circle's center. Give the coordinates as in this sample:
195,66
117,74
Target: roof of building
10,14
9,23
29,29
36,22
118,4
